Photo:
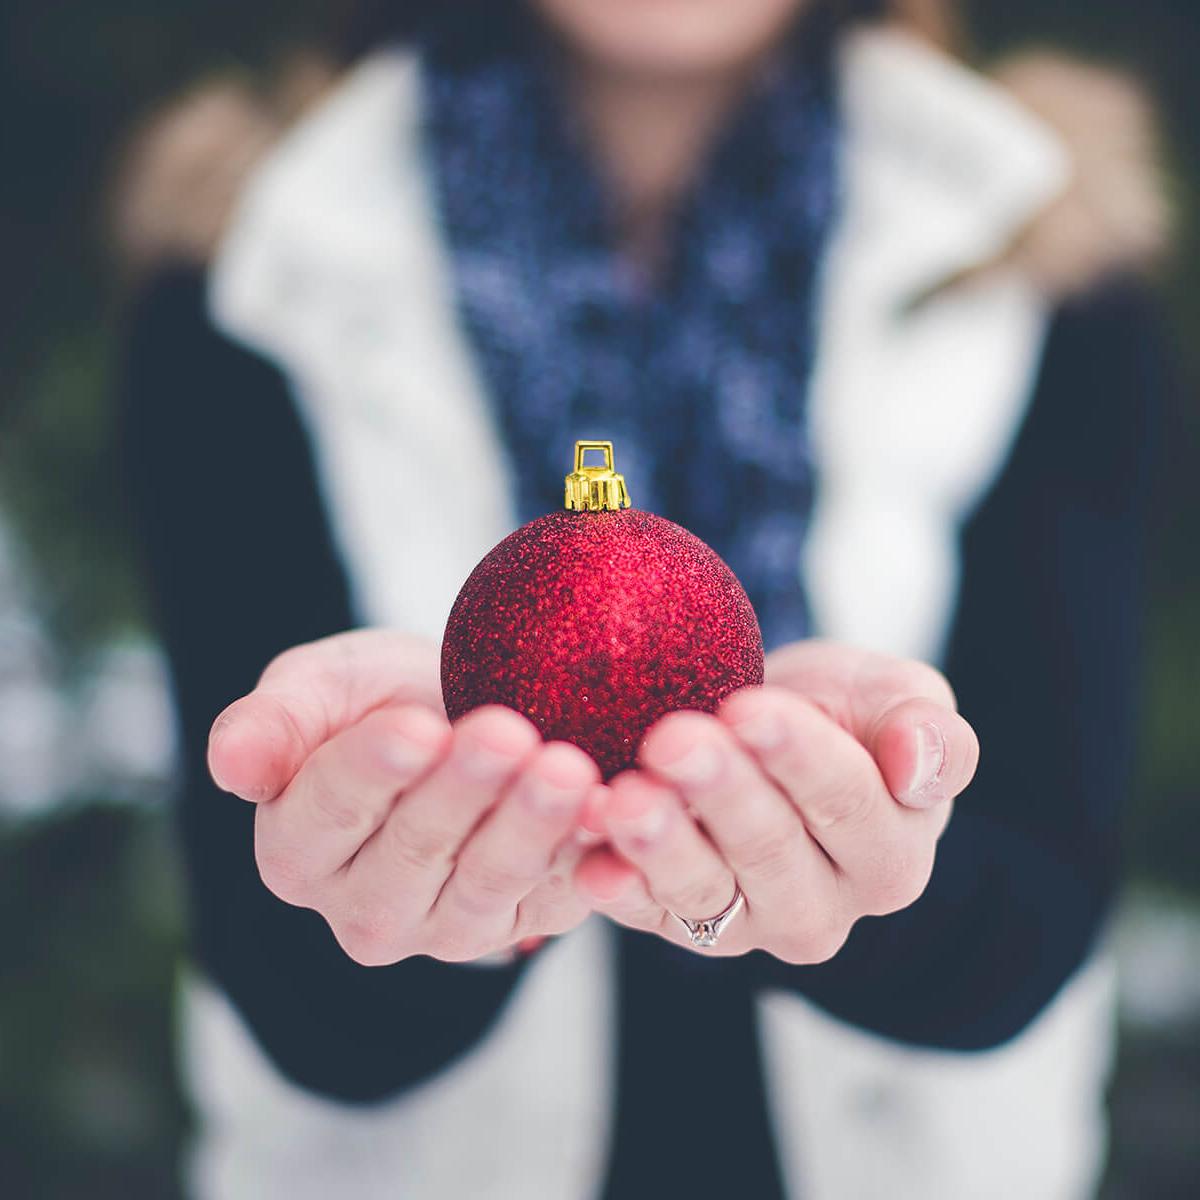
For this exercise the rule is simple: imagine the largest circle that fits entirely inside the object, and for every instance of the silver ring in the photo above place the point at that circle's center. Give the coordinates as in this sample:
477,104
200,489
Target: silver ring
705,934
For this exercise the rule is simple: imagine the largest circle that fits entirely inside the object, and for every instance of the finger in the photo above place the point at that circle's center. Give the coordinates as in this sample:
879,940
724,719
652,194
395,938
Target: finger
649,827
408,859
884,850
554,905
754,826
514,847
604,878
342,794
591,820
615,887
308,694
855,687
926,753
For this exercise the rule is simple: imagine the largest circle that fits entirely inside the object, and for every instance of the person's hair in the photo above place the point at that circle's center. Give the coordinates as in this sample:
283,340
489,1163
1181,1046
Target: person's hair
361,25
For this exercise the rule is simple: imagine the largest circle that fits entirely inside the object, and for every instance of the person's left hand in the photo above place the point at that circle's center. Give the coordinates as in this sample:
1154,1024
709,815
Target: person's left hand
822,795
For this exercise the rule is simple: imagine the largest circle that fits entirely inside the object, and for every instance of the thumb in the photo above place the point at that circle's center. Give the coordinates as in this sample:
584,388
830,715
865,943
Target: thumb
306,696
925,752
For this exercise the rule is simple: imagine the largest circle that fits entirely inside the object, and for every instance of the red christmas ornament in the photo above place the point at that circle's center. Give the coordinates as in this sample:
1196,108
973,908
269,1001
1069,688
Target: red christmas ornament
595,622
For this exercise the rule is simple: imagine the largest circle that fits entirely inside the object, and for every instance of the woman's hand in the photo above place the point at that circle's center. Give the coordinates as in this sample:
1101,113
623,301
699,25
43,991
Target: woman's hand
822,795
407,836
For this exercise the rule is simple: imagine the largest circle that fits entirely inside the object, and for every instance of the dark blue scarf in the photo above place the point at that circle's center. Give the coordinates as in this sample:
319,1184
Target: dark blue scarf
700,377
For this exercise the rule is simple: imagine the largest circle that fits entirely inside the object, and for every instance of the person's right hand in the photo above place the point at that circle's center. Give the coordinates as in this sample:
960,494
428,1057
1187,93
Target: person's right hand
408,836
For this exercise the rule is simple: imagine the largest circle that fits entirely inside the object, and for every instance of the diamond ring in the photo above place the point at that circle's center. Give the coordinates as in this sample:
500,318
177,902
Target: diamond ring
705,934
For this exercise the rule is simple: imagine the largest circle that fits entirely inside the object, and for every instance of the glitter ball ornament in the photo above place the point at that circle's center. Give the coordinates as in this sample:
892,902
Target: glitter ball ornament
597,620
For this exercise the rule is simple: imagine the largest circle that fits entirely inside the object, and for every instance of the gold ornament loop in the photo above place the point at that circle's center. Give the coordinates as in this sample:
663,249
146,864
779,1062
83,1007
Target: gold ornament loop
595,489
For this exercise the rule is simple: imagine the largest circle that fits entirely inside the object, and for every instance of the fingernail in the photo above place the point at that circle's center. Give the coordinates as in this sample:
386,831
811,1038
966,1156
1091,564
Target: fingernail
219,728
927,770
550,799
411,746
591,820
699,763
402,754
763,731
222,723
644,826
484,763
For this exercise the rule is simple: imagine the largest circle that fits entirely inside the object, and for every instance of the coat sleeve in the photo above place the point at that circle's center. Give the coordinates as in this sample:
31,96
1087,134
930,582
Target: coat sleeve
1043,657
240,563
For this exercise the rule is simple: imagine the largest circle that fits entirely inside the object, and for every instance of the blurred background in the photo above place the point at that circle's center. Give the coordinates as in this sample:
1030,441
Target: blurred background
90,920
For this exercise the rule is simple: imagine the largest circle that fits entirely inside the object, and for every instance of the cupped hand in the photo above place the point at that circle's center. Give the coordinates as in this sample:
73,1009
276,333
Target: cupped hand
408,836
822,795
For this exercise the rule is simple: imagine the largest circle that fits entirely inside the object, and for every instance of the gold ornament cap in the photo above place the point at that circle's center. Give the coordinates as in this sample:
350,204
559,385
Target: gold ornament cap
595,489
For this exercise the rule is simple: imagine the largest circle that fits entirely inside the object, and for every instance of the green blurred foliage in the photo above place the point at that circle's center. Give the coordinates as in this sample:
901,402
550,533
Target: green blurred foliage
91,936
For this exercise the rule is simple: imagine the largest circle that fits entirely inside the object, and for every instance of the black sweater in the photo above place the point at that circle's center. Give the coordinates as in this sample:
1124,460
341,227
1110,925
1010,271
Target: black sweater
1042,654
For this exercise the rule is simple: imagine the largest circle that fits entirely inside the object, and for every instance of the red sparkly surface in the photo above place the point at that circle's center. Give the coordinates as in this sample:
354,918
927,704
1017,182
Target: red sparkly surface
595,625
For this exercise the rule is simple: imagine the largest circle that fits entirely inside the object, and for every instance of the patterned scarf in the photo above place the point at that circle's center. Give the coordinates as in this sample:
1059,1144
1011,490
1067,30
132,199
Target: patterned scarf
698,377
